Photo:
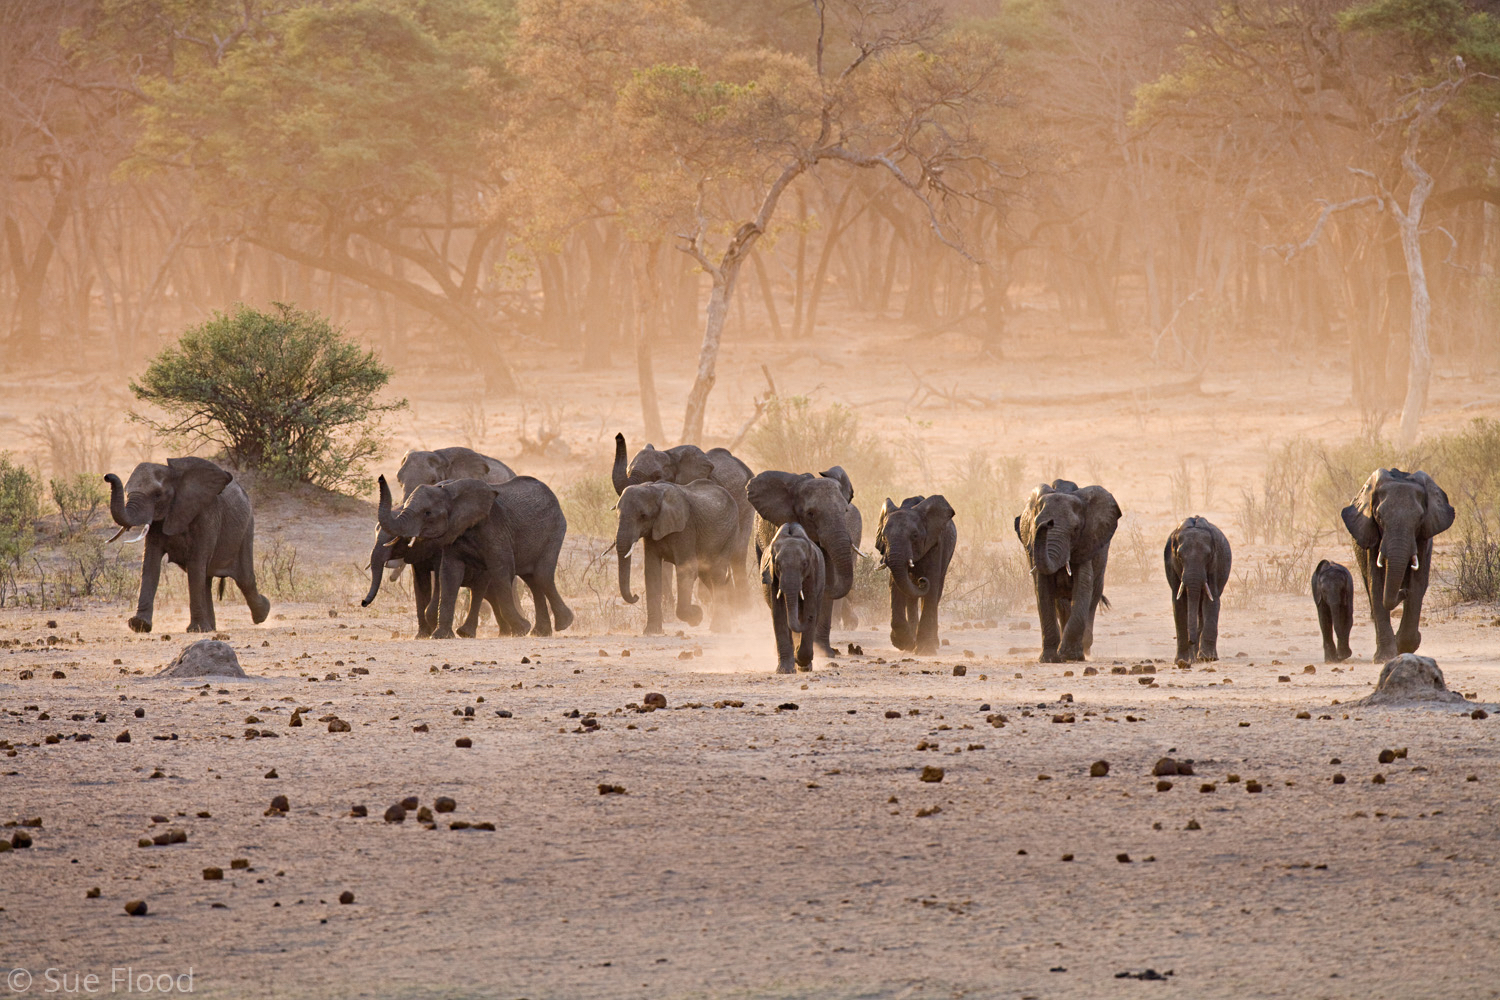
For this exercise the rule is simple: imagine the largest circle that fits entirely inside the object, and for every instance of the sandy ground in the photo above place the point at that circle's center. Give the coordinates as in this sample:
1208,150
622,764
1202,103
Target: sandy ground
761,849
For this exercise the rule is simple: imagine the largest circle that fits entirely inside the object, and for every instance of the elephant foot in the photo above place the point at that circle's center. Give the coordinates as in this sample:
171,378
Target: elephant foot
562,617
259,609
925,648
1383,655
423,634
1408,644
139,624
199,627
443,633
805,668
1072,655
903,640
1050,656
691,615
541,631
785,668
654,630
1182,661
1208,656
827,651
466,633
1345,654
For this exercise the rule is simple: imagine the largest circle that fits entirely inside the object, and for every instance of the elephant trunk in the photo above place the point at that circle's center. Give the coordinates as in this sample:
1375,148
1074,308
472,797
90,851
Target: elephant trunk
377,566
901,575
838,550
117,500
1397,554
617,471
625,541
1192,584
392,523
1050,550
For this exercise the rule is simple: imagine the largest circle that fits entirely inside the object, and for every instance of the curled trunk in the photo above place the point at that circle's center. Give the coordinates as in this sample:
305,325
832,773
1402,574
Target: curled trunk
1397,553
901,574
117,500
391,522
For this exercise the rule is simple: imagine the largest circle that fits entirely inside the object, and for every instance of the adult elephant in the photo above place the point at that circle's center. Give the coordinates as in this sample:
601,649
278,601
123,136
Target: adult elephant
843,608
916,542
503,531
818,505
1066,532
693,527
199,518
1393,521
1197,561
428,468
424,556
682,465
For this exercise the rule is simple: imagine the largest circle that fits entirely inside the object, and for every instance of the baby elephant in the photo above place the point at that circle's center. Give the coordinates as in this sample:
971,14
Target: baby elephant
1333,593
1197,560
794,576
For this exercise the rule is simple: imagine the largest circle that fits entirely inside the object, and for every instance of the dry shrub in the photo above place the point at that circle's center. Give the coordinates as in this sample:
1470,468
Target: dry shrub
588,504
986,494
987,581
76,442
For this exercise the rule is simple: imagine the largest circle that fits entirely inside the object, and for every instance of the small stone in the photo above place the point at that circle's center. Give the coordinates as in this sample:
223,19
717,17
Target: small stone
1123,858
458,824
204,658
123,738
1164,766
419,728
140,713
1386,756
395,814
20,841
1067,857
1252,787
444,804
1339,779
654,699
1208,787
359,812
213,874
1192,824
346,897
1304,715
1099,769
1164,786
136,907
611,789
463,742
424,815
93,893
1283,679
280,804
409,803
959,670
892,714
239,864
491,826
271,774
1479,713
143,842
1379,779
931,774
1232,778
787,706
338,726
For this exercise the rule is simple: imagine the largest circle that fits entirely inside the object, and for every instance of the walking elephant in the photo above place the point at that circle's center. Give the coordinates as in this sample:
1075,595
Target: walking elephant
199,518
684,464
502,531
693,527
1066,532
793,576
843,609
1333,595
819,507
916,542
1197,560
1393,521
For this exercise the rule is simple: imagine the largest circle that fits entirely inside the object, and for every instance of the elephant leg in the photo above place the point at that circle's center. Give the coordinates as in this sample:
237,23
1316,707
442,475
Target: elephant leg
200,597
848,617
244,578
804,643
1078,632
687,611
450,579
503,599
1180,620
1385,638
543,626
1409,635
782,629
1047,603
1343,624
825,626
546,577
1325,625
903,615
651,567
150,578
927,626
1208,639
470,628
421,580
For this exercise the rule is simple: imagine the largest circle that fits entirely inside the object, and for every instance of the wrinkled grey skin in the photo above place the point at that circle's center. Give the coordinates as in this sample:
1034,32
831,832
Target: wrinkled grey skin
685,464
1066,532
819,507
693,527
1333,595
1197,560
424,557
916,542
503,531
1393,521
199,519
843,608
793,577
428,468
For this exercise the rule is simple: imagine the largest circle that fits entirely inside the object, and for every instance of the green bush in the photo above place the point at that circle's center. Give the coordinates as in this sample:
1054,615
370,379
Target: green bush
79,500
20,505
282,392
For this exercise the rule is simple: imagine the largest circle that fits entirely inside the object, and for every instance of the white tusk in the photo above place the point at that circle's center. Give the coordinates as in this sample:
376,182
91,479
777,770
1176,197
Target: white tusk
1208,594
139,533
118,534
1181,589
1415,562
1380,559
393,541
862,555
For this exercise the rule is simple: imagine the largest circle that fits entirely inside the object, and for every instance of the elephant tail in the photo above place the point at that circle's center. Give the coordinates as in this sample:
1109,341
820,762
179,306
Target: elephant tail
221,588
1105,602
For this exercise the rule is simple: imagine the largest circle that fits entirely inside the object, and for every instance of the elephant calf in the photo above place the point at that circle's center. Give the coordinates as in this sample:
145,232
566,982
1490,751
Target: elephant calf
916,543
199,518
1333,595
1197,559
693,527
1066,532
794,577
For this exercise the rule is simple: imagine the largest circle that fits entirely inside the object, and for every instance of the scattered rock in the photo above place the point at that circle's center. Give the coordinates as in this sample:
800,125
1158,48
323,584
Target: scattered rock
409,803
279,804
787,706
1164,786
338,726
1165,766
611,789
891,713
463,742
93,893
1123,858
1479,713
239,864
213,874
959,670
123,737
931,774
271,774
359,812
444,804
655,699
1192,824
140,713
205,658
1379,779
424,815
1386,756
1339,779
1099,769
395,814
20,840
346,897
1252,787
136,908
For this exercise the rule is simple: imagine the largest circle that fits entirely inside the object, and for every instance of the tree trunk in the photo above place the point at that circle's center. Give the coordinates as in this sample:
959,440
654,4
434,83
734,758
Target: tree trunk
708,355
1419,371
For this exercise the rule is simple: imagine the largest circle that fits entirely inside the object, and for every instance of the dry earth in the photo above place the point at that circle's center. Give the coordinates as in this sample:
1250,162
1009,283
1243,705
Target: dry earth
760,850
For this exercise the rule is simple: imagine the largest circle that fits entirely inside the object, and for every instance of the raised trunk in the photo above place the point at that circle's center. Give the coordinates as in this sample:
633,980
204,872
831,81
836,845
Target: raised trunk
392,523
117,500
617,471
1397,554
377,566
624,542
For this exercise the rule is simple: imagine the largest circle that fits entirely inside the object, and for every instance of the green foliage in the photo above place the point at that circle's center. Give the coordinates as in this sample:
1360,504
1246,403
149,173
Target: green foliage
79,499
588,504
20,499
281,391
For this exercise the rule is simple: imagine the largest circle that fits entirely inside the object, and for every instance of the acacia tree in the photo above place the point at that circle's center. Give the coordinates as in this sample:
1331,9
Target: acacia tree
883,88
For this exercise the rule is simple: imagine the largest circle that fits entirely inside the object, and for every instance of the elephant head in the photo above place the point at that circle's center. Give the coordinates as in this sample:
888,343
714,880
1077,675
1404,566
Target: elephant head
838,475
441,512
1063,524
1191,551
906,533
682,465
388,547
1394,514
818,505
794,566
658,508
172,495
428,468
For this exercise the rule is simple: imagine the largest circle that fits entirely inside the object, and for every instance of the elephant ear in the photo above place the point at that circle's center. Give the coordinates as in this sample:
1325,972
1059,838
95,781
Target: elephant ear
936,513
692,465
673,516
470,501
464,463
774,496
1440,512
1359,516
198,482
838,474
1101,515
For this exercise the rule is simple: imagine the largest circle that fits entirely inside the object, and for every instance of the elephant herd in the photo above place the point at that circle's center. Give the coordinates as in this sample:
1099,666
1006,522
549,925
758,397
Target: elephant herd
468,521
